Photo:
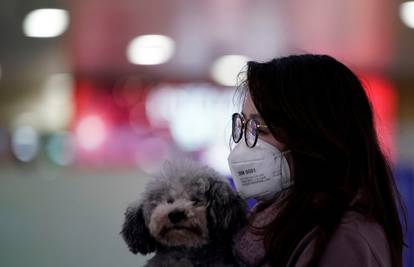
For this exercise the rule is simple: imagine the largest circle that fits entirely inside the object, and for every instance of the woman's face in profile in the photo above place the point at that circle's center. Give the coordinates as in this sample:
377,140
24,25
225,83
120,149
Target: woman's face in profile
250,112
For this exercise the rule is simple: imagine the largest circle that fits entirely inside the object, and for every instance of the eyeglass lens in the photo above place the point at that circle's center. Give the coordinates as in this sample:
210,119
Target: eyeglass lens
237,125
237,130
251,133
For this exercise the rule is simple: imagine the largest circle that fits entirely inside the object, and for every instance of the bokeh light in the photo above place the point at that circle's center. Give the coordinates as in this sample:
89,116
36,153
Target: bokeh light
161,104
197,114
56,109
25,143
44,23
150,49
226,69
91,132
407,13
60,148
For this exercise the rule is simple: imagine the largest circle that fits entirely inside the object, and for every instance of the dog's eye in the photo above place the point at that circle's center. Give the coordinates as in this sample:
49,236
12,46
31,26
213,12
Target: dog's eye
170,200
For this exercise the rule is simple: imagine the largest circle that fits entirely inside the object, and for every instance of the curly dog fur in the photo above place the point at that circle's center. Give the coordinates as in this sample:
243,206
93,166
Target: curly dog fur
188,216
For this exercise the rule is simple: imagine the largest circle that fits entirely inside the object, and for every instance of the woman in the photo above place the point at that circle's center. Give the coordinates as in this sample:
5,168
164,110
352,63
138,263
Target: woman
311,155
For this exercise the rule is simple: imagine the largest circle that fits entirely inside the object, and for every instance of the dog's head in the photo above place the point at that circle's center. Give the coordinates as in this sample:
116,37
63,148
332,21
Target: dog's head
187,205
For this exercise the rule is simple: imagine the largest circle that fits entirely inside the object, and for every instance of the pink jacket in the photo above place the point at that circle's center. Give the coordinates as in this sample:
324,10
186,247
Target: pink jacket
356,242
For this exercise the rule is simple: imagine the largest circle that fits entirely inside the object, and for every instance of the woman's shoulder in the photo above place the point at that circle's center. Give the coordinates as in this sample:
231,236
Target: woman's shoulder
362,238
357,241
364,228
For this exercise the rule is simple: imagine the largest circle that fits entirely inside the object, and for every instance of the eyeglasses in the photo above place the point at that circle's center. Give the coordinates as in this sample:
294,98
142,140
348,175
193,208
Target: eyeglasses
251,129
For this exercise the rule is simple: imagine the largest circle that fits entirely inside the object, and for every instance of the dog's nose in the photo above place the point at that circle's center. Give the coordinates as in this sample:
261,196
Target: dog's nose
176,216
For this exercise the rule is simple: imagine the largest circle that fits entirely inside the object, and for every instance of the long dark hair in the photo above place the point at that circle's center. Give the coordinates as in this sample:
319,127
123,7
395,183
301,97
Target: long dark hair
318,107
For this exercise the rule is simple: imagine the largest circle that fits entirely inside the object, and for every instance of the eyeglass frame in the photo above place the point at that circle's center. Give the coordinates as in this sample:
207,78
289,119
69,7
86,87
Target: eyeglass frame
243,128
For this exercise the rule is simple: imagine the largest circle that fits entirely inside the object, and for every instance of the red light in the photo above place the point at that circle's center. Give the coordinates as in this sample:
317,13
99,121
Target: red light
384,99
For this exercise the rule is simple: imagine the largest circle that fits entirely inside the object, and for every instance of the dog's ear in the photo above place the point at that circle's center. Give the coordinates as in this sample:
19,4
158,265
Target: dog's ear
227,210
136,233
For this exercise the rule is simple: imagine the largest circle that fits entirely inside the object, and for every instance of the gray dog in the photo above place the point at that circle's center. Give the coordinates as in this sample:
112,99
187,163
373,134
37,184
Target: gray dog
188,216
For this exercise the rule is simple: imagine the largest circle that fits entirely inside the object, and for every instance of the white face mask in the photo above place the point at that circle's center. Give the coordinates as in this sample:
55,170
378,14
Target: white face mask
259,172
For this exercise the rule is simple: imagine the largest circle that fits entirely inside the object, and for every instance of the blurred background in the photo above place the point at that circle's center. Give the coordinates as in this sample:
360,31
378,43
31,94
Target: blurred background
95,94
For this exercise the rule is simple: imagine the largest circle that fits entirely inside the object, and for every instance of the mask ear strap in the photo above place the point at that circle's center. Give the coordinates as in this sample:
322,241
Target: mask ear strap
286,181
